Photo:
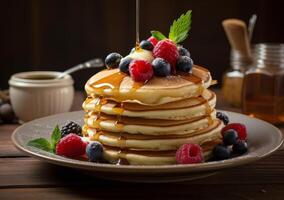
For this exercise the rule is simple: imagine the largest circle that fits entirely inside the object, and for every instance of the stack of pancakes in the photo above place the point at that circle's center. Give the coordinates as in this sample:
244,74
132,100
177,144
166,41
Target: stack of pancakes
144,124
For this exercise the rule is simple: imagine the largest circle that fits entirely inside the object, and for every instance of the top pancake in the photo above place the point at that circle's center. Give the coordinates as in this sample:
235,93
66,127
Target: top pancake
158,90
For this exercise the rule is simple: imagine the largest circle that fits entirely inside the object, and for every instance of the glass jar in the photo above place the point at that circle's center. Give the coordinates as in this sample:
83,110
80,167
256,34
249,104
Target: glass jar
263,87
233,78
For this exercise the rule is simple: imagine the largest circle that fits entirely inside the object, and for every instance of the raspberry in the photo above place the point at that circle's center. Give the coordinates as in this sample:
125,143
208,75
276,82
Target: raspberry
153,40
71,146
189,153
239,128
167,50
141,70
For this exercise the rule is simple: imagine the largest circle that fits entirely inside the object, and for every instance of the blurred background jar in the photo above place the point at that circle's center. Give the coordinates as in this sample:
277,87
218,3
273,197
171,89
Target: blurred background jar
233,78
263,86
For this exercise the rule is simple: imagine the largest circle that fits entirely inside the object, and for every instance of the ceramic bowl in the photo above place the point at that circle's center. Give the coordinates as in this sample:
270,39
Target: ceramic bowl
37,94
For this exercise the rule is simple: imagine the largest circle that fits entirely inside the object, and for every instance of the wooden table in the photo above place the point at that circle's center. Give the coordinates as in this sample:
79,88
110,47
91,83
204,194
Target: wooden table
23,177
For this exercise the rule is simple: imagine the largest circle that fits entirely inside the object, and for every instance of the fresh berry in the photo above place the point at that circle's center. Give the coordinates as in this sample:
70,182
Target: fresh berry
153,40
94,151
124,64
71,146
6,112
221,152
167,50
223,117
189,153
161,67
147,45
240,147
141,70
183,51
240,128
71,127
113,60
184,64
230,137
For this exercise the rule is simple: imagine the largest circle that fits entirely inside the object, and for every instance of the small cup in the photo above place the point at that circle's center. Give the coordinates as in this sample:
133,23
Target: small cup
39,93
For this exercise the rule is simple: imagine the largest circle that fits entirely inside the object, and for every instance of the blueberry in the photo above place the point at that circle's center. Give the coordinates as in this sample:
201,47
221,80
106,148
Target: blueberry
223,117
6,113
94,151
240,147
183,51
230,137
161,67
124,64
113,60
147,45
221,152
184,64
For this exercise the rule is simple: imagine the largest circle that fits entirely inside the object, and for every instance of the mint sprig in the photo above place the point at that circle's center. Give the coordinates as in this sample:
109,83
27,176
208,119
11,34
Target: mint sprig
40,143
44,144
178,30
158,35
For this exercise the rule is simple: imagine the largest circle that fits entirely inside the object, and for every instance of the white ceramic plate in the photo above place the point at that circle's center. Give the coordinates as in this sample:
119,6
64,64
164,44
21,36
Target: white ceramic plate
263,139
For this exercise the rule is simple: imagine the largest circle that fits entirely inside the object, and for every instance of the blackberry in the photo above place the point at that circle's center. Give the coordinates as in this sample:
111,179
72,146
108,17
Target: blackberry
223,117
71,127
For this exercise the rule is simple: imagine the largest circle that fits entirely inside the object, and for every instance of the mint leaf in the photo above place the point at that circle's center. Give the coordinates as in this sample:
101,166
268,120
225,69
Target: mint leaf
40,143
158,35
180,28
55,137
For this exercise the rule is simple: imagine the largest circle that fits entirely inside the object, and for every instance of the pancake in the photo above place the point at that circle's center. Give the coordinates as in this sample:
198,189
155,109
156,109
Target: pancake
118,156
109,124
145,123
161,143
180,110
159,90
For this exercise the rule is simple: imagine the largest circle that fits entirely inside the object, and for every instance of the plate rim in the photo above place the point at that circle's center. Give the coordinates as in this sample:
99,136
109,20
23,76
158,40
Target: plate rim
175,168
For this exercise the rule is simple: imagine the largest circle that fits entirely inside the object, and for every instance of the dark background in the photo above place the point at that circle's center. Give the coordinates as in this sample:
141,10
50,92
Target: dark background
57,34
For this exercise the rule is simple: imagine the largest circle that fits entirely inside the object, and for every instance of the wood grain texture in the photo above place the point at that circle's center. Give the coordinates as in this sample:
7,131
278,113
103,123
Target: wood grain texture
138,191
24,178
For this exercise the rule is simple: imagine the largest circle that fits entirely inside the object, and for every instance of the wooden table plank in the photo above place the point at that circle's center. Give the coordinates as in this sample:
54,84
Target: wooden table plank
152,191
29,172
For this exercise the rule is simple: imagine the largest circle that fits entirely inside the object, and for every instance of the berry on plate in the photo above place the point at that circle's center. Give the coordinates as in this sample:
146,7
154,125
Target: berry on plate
240,147
183,51
239,128
124,64
222,116
221,152
167,50
71,127
71,146
94,151
230,137
161,67
184,64
153,40
113,60
189,154
141,70
147,45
